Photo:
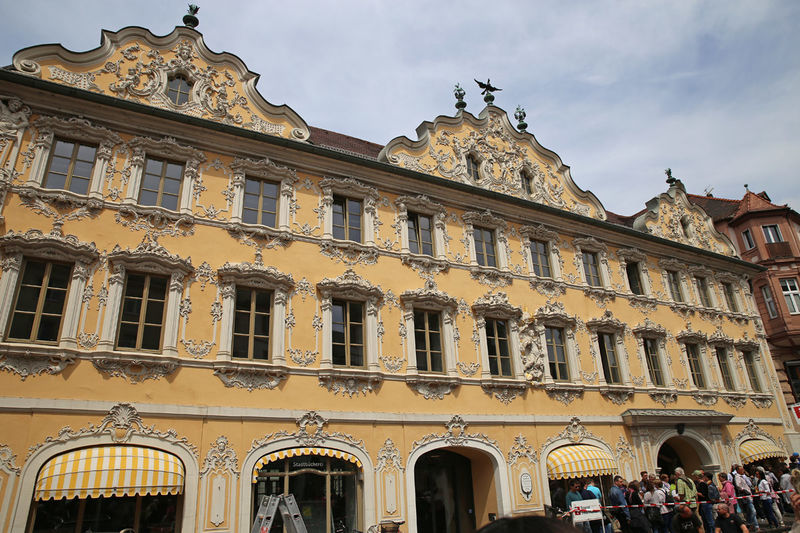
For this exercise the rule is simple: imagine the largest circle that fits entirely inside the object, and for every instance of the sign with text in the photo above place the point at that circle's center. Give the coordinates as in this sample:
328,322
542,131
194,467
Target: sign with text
585,511
795,409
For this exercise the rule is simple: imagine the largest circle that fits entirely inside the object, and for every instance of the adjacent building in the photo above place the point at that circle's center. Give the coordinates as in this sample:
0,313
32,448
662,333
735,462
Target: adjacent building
204,300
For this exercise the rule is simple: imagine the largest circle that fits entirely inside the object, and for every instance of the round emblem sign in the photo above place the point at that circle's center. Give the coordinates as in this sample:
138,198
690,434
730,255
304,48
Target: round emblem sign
526,483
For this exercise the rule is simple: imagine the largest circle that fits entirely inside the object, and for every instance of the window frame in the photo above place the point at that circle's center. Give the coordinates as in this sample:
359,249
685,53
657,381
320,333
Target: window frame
70,173
348,226
263,170
592,279
772,233
497,307
494,339
39,311
352,189
472,167
427,334
654,361
550,362
703,291
161,183
252,316
181,77
697,368
747,239
261,197
791,368
791,295
422,205
750,362
418,241
348,324
769,301
729,293
727,376
603,352
599,252
675,285
482,256
142,313
486,221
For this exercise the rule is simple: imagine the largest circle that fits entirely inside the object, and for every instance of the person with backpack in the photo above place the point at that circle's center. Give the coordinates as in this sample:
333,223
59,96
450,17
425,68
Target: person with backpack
687,491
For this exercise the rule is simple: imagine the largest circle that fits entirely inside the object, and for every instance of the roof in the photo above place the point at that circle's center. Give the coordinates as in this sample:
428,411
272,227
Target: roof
717,208
344,143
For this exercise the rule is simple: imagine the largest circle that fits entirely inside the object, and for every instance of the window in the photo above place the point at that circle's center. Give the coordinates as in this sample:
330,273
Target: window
251,323
178,90
39,306
260,202
556,353
142,316
428,341
772,233
725,368
793,374
674,280
484,247
703,292
346,218
472,168
772,309
347,333
634,277
791,294
540,259
161,183
695,366
499,353
591,269
747,238
750,367
527,181
653,362
608,356
730,297
70,166
420,234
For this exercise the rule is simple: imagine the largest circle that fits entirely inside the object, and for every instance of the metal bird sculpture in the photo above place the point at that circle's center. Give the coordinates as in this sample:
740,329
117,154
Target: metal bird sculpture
487,87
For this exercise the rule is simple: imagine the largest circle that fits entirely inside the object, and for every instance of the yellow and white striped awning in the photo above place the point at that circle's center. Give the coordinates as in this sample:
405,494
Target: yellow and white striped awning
297,452
109,471
757,449
579,460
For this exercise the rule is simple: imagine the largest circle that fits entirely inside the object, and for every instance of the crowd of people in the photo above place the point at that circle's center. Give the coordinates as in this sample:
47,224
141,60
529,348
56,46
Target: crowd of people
743,500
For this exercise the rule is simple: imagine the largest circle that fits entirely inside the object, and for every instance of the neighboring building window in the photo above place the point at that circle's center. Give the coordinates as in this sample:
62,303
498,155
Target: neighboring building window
260,202
608,357
793,374
634,277
472,168
428,341
591,268
750,366
251,323
747,237
39,306
499,353
556,353
695,366
724,368
674,280
791,294
178,90
702,291
347,218
772,233
142,316
485,253
527,181
348,333
730,297
161,183
772,309
653,362
70,166
420,234
540,257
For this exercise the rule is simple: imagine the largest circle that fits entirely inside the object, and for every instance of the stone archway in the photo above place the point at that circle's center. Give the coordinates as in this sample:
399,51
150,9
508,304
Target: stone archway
685,450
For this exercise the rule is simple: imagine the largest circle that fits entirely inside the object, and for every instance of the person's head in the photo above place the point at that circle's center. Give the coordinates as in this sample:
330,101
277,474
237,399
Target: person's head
643,474
722,477
634,485
684,511
574,485
696,474
708,477
665,478
760,474
649,486
723,510
619,482
680,472
658,484
525,524
739,469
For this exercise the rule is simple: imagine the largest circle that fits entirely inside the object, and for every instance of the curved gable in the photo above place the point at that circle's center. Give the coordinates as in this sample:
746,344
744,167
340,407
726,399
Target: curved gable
134,64
504,155
672,216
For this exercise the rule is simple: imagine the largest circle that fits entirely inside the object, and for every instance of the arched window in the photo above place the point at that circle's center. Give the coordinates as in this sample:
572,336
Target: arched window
178,89
472,167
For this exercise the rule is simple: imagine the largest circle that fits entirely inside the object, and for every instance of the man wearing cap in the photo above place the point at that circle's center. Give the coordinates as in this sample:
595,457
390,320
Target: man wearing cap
686,521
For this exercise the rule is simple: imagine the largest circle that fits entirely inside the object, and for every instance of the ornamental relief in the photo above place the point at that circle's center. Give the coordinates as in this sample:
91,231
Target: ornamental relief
310,432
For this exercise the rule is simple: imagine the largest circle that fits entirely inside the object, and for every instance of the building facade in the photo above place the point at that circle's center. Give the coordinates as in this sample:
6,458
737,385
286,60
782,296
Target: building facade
205,301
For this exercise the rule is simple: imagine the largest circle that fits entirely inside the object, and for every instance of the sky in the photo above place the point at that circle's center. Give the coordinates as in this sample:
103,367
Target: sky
620,90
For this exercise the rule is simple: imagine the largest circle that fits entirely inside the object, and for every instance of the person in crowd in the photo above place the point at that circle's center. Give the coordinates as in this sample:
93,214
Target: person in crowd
616,497
687,491
669,501
639,522
794,461
591,486
526,524
594,526
705,505
654,500
559,496
728,491
765,498
686,521
574,494
744,496
728,522
785,485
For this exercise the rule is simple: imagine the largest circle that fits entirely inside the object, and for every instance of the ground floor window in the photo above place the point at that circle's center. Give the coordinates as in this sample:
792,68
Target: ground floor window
146,514
327,489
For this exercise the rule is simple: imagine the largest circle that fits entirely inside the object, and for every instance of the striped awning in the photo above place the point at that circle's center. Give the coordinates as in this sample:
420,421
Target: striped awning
298,452
579,460
757,449
109,471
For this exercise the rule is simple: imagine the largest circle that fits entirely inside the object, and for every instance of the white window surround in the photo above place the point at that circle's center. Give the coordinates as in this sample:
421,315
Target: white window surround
553,315
752,346
703,272
719,340
63,248
772,233
496,306
736,289
673,265
430,298
633,255
650,330
75,130
590,244
699,339
791,294
422,205
350,188
166,148
255,276
543,234
269,171
747,239
351,287
148,258
769,301
610,325
487,220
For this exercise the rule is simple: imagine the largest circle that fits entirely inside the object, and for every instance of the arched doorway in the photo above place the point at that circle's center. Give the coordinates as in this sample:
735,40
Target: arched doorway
454,490
684,452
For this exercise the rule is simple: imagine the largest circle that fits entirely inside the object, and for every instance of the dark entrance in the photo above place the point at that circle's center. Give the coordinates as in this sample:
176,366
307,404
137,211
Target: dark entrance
668,459
444,493
683,452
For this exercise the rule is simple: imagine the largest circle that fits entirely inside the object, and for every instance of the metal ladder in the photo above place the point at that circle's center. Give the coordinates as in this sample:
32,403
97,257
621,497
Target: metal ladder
287,505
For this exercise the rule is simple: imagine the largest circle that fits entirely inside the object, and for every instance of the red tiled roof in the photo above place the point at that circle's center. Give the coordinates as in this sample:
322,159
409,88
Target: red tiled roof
344,143
717,208
622,220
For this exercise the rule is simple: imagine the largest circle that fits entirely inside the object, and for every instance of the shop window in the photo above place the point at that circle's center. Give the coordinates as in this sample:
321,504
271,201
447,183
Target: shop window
70,166
39,306
251,323
260,204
